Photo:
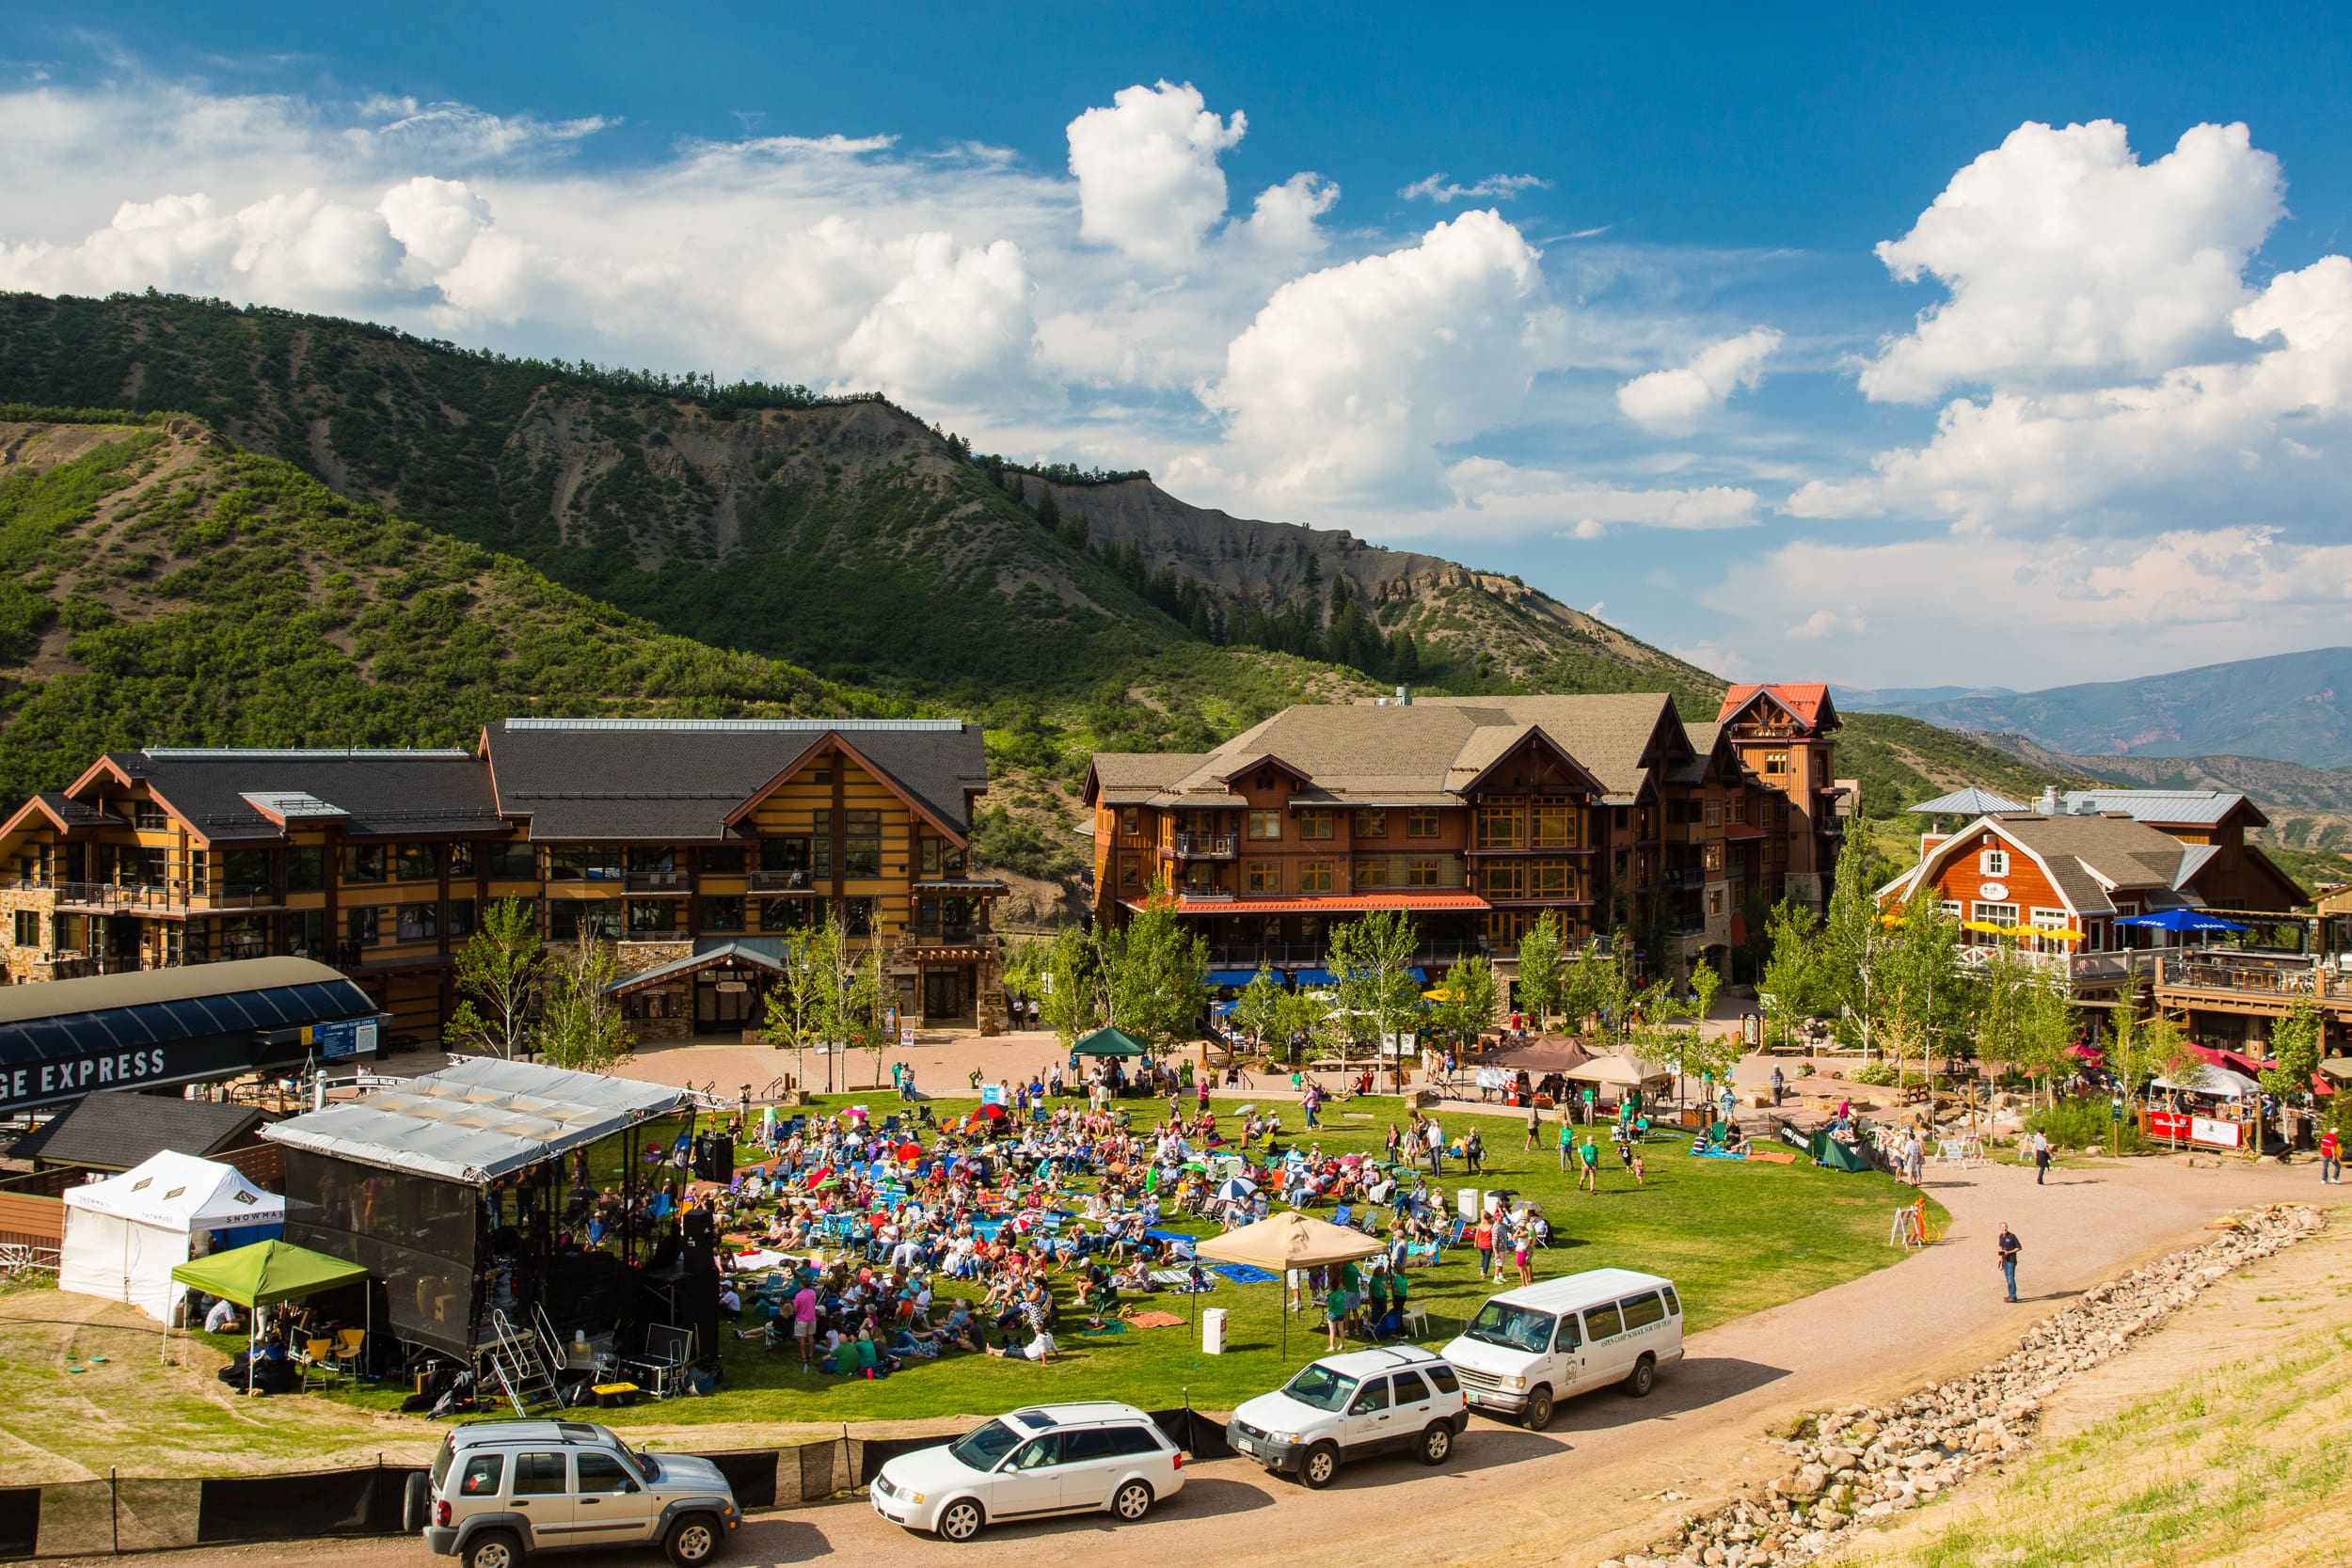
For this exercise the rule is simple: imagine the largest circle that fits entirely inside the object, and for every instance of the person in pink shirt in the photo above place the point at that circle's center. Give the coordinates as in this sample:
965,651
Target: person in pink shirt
804,1322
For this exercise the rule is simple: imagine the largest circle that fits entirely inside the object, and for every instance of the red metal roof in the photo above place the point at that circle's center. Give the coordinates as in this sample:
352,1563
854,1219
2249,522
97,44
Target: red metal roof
1804,698
1335,903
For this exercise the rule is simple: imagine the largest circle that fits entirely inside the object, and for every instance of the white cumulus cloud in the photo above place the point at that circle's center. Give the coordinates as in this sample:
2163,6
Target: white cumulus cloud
1679,398
1350,378
1495,187
957,325
2064,258
1149,180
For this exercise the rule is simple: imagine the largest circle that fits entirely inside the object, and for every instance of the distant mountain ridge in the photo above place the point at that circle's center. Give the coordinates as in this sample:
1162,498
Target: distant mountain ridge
2290,707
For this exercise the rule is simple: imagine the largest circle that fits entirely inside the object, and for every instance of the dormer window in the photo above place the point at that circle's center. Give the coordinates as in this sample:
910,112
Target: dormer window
1994,863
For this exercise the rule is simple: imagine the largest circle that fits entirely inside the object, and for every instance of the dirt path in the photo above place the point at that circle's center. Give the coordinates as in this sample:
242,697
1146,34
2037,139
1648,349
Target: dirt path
1589,1488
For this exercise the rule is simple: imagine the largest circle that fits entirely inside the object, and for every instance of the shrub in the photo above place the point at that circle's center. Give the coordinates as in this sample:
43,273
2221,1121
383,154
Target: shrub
2081,1124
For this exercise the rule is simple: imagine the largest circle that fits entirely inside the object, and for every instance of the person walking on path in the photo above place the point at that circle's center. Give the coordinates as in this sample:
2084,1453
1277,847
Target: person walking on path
1780,1086
1534,1124
2041,1158
2007,1246
2330,1162
1567,1139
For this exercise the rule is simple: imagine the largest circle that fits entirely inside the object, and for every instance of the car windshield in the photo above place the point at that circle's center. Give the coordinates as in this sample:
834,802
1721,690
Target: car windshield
1320,1387
639,1465
983,1446
1512,1327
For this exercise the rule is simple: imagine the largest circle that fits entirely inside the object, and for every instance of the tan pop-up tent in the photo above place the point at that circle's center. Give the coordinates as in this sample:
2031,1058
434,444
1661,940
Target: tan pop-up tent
1286,1241
1621,1070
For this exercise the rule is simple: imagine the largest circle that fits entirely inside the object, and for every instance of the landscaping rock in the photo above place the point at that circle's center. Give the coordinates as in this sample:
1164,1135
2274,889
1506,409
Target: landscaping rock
1865,1463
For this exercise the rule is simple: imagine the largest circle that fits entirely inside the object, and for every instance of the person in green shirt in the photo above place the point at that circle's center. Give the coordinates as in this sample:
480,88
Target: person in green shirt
1376,1305
867,1357
1588,1165
1592,1099
1567,1138
1335,1313
1352,1281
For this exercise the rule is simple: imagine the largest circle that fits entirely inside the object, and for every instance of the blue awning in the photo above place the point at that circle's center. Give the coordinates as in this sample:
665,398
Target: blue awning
1232,977
1421,977
1316,977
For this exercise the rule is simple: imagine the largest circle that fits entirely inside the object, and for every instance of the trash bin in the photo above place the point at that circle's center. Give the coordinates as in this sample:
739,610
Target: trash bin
1213,1331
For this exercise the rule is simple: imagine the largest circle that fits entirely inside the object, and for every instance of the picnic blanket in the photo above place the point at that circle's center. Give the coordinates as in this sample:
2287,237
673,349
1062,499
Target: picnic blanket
1244,1273
1169,1276
1156,1320
1772,1156
1110,1325
1699,1153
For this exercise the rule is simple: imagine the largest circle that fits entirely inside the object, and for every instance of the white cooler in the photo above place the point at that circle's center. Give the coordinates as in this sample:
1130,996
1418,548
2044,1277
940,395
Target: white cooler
1213,1331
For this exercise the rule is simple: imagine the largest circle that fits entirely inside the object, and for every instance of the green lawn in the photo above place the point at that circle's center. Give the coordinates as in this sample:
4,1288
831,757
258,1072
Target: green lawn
1735,1236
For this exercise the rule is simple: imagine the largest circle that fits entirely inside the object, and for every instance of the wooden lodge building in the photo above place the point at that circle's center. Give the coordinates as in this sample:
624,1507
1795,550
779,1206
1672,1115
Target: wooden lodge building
2081,861
698,846
1475,815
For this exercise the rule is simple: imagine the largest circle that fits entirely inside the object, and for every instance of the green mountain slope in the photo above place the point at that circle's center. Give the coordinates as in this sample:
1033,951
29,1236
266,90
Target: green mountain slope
840,534
158,585
2293,707
1901,761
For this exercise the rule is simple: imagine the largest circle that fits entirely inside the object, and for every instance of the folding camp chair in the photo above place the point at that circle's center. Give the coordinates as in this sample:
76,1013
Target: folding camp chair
1339,1215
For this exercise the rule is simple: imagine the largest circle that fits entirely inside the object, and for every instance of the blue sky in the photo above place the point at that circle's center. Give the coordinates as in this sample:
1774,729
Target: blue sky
1584,295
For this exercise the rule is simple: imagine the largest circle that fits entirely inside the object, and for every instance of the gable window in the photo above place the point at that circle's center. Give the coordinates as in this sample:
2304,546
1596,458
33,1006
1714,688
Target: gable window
785,855
1714,813
820,844
1422,822
1314,824
1130,822
1994,863
1371,823
861,844
149,818
1265,826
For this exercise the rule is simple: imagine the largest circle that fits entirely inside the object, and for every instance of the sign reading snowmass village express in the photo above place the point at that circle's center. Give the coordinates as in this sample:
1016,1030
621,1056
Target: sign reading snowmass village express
61,1039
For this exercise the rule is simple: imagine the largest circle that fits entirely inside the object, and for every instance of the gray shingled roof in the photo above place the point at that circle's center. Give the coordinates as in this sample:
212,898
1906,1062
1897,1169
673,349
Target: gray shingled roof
386,793
2203,806
2082,850
667,781
1132,777
119,1128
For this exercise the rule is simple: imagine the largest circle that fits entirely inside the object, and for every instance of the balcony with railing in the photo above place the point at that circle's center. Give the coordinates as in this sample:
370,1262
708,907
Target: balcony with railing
656,881
780,881
1207,847
163,897
2258,981
81,966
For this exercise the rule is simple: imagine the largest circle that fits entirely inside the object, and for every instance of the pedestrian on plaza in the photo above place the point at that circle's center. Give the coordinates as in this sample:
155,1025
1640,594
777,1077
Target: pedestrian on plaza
1780,1086
2007,1247
1474,1155
1483,1243
1535,1123
2330,1162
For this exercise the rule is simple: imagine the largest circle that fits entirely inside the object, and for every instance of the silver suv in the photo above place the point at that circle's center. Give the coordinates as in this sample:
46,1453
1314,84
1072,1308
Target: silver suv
500,1489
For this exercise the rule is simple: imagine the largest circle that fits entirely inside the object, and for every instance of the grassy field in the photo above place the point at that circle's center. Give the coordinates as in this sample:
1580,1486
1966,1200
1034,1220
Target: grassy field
1737,1237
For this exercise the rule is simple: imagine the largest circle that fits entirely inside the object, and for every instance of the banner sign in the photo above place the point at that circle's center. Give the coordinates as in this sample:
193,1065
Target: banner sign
2207,1130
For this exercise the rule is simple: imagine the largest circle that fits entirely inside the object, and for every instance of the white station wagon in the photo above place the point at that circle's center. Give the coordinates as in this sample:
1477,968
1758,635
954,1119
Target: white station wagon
1097,1457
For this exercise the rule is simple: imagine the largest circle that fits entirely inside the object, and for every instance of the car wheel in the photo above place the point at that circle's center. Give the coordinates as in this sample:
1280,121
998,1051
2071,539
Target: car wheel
1436,1443
1132,1501
1642,1378
960,1520
416,1503
692,1540
1537,1415
1321,1464
494,1549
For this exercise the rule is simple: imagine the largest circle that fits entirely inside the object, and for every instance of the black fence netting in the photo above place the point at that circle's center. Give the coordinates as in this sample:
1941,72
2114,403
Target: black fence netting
20,1521
751,1474
77,1519
292,1508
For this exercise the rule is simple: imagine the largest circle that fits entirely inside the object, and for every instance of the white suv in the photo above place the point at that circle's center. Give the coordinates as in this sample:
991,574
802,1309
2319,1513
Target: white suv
499,1489
1045,1459
1351,1405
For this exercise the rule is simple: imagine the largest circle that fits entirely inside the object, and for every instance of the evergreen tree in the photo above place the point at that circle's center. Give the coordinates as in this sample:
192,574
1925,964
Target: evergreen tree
1404,656
1047,513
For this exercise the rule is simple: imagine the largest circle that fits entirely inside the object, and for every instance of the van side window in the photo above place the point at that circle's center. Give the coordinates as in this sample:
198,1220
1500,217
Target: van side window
1409,1389
1602,1321
1643,1310
1568,1339
1674,1303
1443,1375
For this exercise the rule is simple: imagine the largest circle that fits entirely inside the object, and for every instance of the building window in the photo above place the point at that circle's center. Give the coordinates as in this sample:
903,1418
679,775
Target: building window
1550,879
1422,822
359,927
820,844
1314,824
1739,808
1200,878
1372,874
1371,823
1500,824
1714,813
1502,879
1129,873
1265,826
28,927
1421,873
149,818
1947,906
1711,857
1775,764
1130,822
1314,876
652,917
1995,915
723,913
414,863
570,919
927,857
1264,876
460,921
783,915
1551,825
784,855
857,917
419,923
724,860
1505,926
1994,863
511,859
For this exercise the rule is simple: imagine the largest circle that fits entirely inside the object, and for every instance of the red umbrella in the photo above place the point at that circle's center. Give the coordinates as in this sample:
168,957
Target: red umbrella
910,1151
991,1111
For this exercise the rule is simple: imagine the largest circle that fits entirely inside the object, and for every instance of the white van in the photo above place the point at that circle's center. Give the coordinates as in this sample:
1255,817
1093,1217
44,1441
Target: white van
1528,1348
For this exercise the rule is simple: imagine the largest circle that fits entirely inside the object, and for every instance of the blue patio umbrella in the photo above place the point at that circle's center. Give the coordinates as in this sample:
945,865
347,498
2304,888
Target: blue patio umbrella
2183,920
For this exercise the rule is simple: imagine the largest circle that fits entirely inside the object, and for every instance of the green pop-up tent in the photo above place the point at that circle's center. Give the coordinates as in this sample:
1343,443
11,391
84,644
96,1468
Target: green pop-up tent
1109,1042
1836,1153
264,1274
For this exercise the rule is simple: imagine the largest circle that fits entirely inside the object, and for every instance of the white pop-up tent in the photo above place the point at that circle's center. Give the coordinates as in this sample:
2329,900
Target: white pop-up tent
123,1236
